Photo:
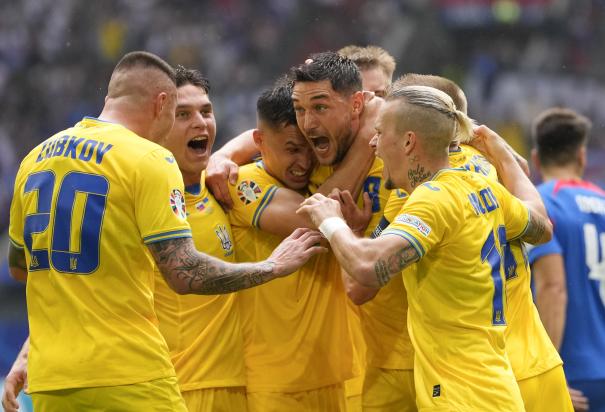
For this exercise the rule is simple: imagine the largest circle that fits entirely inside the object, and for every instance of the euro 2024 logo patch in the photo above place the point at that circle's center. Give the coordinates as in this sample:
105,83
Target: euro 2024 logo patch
248,191
177,203
414,222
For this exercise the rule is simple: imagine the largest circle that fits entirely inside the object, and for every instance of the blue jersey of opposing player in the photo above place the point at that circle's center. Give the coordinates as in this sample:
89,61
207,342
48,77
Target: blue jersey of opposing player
577,210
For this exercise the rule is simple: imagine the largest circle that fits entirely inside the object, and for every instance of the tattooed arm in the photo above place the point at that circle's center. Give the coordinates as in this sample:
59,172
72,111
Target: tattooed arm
16,263
188,271
495,149
371,262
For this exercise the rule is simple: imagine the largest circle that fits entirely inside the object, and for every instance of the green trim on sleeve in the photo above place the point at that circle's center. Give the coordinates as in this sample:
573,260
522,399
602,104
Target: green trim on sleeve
14,243
525,228
173,234
263,205
407,236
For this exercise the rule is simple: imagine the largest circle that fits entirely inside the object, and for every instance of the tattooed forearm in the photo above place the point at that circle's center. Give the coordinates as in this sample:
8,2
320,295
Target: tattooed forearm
535,229
386,268
188,271
418,175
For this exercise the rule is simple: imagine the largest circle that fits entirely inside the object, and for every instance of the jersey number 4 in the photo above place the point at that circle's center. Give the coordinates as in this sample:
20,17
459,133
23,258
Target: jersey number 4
67,253
592,239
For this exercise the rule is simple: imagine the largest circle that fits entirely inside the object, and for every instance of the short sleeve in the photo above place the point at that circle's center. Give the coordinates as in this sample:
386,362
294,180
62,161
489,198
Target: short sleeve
516,214
251,195
159,198
551,247
421,220
395,202
15,229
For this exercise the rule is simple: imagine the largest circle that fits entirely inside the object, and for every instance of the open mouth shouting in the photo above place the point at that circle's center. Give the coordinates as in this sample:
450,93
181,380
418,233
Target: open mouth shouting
198,145
321,145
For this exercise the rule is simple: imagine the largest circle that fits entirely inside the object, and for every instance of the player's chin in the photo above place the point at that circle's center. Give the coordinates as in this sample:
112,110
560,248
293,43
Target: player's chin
326,158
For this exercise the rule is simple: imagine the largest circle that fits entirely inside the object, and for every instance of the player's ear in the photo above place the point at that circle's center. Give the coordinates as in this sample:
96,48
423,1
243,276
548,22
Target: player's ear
409,142
257,135
160,104
357,103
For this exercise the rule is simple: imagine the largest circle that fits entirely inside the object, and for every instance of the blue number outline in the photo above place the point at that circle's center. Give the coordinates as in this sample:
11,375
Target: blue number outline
37,222
88,258
490,253
58,255
372,187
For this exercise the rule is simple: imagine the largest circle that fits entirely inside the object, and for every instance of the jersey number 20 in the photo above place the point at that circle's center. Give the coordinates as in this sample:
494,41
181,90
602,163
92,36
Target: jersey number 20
61,254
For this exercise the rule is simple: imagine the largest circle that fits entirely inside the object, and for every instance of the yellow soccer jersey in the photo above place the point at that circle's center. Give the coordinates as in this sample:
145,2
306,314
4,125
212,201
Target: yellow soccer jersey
203,333
373,185
529,348
458,223
295,328
86,203
385,316
472,160
383,319
379,195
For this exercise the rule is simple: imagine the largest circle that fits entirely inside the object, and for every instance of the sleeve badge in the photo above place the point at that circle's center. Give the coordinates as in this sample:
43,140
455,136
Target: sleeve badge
177,203
248,191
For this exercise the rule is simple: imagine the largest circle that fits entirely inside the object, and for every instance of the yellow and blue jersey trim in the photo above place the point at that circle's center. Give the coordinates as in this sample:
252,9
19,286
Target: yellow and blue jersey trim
407,236
263,205
524,229
15,243
173,234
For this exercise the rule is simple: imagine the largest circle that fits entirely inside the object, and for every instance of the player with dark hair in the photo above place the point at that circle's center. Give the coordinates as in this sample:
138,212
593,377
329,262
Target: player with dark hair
375,64
94,206
328,80
203,333
569,270
297,347
450,233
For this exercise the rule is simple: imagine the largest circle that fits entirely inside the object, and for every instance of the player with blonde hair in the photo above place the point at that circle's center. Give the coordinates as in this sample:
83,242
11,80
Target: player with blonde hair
375,64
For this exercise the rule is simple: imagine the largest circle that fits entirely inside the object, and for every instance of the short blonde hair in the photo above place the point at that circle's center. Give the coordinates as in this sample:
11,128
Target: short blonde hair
440,83
433,111
370,57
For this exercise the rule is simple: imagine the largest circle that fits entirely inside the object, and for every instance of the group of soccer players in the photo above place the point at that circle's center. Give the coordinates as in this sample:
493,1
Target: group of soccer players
421,301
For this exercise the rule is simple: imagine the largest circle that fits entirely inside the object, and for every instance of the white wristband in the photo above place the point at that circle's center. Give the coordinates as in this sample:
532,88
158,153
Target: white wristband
331,225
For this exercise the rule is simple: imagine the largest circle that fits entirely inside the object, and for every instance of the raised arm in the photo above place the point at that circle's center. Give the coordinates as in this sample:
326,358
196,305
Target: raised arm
371,262
495,149
224,164
188,271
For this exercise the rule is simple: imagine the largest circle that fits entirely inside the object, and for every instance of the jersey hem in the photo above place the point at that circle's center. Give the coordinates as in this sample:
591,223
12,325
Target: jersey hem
165,373
294,388
219,383
537,371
